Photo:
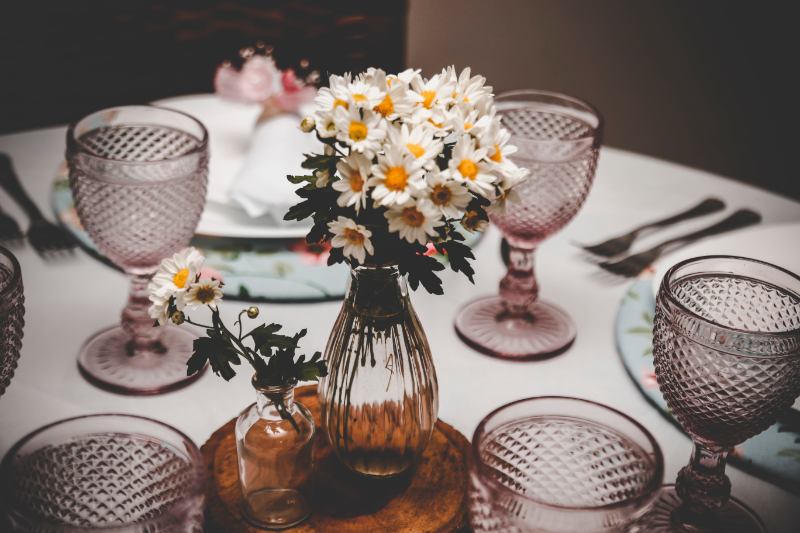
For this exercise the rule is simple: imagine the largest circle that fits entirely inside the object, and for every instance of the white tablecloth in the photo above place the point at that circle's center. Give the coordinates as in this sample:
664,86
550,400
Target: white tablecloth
68,300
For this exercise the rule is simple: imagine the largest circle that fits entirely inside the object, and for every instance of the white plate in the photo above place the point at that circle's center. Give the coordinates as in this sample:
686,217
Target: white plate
778,245
230,126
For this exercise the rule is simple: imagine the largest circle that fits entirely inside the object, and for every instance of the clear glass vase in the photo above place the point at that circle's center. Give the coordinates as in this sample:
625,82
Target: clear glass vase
276,458
380,399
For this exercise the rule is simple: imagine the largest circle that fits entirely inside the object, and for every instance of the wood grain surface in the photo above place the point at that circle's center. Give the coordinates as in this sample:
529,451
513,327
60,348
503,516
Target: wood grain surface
431,498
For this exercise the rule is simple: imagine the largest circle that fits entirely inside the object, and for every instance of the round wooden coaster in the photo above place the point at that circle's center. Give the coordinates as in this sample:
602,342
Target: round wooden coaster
431,498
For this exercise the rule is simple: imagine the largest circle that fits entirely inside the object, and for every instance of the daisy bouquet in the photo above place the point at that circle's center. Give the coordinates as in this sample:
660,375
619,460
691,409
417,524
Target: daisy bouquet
177,288
405,159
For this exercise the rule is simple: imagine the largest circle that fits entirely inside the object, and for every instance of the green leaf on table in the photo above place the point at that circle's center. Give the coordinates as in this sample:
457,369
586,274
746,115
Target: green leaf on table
640,330
790,452
647,318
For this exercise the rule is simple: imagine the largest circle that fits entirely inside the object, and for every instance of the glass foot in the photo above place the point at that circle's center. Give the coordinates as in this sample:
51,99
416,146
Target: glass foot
110,361
735,517
546,331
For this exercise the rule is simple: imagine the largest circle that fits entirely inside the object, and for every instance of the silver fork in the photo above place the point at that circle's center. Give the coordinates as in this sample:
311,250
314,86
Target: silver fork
44,236
9,229
621,244
633,265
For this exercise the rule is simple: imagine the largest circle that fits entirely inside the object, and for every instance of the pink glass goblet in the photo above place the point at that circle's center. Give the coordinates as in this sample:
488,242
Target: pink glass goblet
726,343
110,473
562,465
138,176
558,139
12,312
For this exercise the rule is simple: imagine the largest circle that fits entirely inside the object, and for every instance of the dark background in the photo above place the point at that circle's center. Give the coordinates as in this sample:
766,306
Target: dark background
705,83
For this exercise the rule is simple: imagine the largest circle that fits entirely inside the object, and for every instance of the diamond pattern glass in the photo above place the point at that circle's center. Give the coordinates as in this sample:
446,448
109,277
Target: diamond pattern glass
145,479
726,344
562,472
138,177
558,140
12,312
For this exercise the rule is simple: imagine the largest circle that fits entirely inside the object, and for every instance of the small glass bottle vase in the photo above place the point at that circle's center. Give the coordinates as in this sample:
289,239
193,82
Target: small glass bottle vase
276,458
380,399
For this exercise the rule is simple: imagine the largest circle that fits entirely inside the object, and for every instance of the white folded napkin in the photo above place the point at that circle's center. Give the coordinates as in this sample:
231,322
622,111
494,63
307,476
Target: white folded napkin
276,150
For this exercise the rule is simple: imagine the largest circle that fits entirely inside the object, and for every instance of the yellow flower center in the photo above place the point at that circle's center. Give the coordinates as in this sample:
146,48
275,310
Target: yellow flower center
470,220
354,236
468,169
180,278
412,217
341,103
497,157
428,96
396,179
389,81
416,149
356,182
466,99
205,294
435,124
454,95
331,126
467,125
386,107
441,194
358,131
359,97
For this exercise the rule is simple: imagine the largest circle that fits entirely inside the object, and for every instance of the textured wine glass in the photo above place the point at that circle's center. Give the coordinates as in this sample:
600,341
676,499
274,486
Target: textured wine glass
562,465
138,176
558,139
12,312
726,344
114,473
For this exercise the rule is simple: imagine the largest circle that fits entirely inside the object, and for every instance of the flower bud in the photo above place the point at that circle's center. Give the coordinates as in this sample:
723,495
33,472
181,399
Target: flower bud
308,124
252,312
329,150
178,317
322,177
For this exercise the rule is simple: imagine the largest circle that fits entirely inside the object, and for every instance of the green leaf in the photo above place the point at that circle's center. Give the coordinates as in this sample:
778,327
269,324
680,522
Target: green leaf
320,161
301,179
216,351
420,270
640,330
458,255
632,295
647,352
790,452
647,318
265,339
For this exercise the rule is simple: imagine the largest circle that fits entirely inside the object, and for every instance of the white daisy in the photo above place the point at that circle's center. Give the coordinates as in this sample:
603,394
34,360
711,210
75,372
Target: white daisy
204,292
407,76
471,91
462,120
495,140
419,142
360,134
354,171
397,103
467,165
353,237
472,223
337,95
159,310
395,177
326,126
435,92
365,95
447,195
414,220
174,275
505,189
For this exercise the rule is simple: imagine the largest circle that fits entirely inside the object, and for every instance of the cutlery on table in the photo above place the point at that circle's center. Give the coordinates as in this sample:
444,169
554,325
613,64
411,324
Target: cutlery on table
633,265
621,244
43,235
9,229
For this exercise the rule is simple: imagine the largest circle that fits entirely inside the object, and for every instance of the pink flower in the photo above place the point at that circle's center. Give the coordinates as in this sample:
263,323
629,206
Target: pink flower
311,254
736,451
649,378
255,83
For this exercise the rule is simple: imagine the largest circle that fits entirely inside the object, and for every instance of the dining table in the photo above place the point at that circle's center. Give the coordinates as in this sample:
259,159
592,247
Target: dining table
70,296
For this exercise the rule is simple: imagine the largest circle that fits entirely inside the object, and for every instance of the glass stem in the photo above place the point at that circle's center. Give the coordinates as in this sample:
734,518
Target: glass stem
519,289
703,486
136,320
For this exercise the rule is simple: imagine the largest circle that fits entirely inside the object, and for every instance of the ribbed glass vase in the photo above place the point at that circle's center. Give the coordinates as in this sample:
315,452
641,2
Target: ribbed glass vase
380,399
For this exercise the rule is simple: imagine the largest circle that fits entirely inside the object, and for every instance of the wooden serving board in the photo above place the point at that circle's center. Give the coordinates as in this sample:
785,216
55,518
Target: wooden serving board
431,498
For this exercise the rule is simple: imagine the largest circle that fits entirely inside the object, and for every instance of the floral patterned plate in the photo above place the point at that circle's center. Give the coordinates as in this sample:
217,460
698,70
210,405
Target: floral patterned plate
773,455
275,270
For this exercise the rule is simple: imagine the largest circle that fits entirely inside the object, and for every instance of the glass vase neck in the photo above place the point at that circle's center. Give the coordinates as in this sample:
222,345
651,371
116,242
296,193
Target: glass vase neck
279,396
377,291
